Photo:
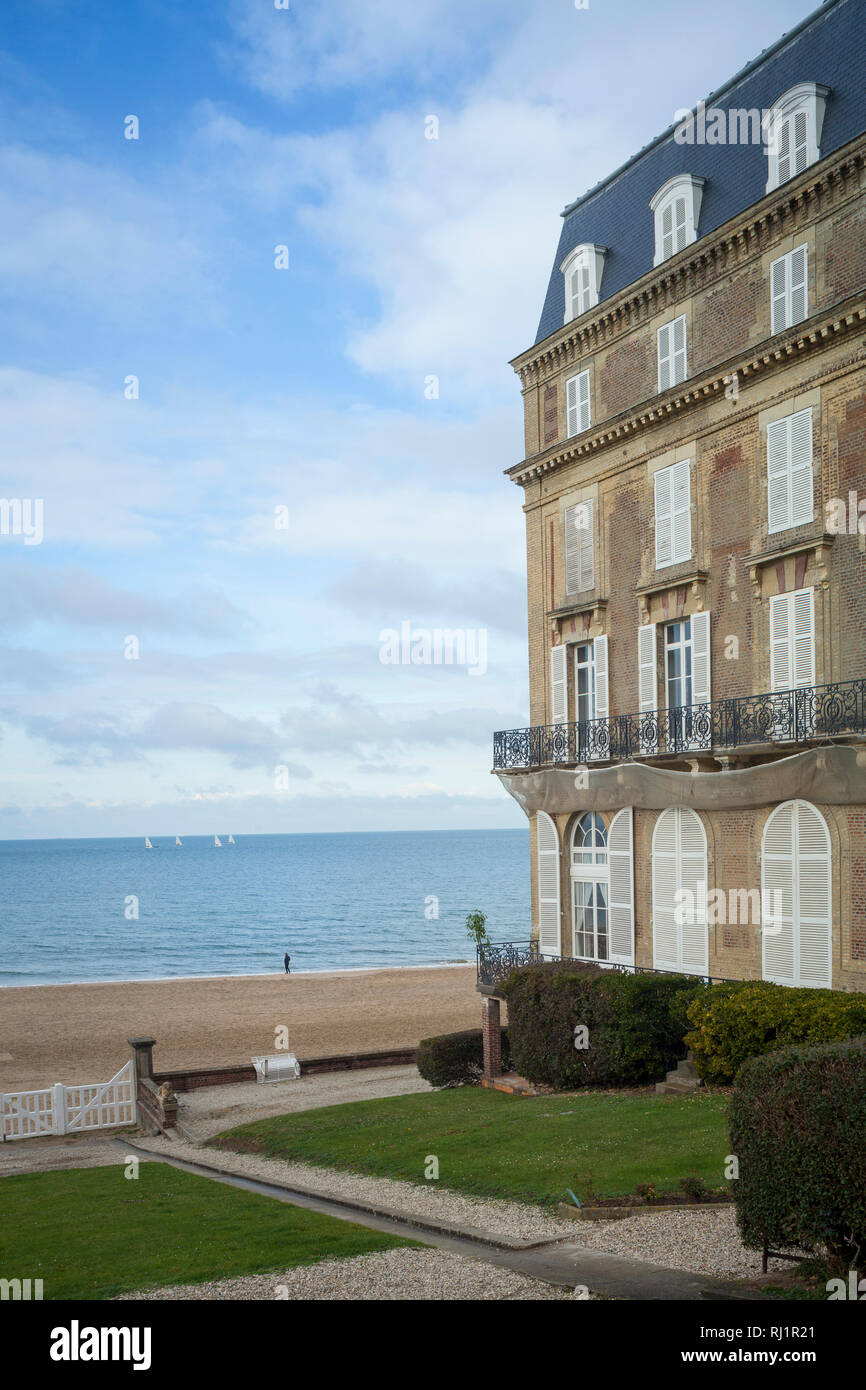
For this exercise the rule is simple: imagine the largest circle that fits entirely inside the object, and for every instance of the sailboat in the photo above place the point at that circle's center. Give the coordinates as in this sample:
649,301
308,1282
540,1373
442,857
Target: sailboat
178,840
218,844
147,844
231,839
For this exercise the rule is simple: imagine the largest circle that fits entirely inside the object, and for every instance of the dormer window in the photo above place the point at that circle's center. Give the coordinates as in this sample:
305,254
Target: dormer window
582,269
793,132
677,209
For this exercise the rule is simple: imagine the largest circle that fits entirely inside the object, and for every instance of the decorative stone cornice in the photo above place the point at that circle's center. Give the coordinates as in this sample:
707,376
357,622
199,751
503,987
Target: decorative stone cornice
751,232
837,322
819,544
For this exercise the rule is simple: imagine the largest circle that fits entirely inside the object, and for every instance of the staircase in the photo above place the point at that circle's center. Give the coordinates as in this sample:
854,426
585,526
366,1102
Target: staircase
681,1082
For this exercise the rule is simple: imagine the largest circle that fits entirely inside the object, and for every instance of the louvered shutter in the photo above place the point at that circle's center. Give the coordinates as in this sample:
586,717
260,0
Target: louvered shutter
599,652
558,686
799,143
647,686
547,842
801,467
583,290
571,405
583,410
779,294
681,511
664,518
692,877
620,852
777,897
574,292
781,666
579,548
680,230
813,940
667,232
783,151
664,884
665,356
778,471
701,672
679,368
802,615
798,276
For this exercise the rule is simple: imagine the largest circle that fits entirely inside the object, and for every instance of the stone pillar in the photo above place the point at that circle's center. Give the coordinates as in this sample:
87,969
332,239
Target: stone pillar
491,1033
142,1056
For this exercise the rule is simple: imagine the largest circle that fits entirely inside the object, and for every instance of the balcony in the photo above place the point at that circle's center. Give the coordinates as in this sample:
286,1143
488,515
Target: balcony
817,712
497,959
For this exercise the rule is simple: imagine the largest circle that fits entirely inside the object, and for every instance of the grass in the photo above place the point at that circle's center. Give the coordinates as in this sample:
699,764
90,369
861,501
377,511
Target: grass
491,1144
91,1233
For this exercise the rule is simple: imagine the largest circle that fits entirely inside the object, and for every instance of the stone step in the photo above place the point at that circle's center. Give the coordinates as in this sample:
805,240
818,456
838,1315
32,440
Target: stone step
686,1071
675,1088
510,1083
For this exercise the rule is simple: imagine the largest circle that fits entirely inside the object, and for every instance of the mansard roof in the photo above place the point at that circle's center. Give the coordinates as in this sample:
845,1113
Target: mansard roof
829,48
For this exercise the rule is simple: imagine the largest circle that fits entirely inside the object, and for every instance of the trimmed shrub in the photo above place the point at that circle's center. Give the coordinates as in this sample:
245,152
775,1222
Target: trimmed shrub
798,1120
455,1059
733,1022
634,1024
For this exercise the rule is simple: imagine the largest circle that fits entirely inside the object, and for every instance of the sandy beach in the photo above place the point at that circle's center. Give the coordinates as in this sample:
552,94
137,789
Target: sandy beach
73,1033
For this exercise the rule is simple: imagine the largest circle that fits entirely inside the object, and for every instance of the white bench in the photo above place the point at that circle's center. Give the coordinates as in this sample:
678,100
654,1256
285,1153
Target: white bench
281,1066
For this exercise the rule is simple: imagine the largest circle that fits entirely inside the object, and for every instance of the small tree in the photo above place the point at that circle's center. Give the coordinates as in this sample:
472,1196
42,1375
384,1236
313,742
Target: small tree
476,929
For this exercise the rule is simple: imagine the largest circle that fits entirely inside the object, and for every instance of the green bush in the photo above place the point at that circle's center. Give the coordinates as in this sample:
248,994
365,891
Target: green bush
455,1059
798,1120
634,1023
733,1022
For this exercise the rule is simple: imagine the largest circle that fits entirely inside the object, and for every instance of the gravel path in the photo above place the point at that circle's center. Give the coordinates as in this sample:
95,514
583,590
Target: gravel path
398,1275
705,1242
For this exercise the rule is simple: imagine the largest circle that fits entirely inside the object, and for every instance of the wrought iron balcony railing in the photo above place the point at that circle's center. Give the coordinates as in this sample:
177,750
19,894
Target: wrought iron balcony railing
497,959
787,716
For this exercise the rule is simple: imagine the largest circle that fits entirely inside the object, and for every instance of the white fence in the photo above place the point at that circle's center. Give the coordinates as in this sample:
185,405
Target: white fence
69,1109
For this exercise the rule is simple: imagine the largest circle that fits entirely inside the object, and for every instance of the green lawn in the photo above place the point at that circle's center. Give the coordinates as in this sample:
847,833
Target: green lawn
91,1233
492,1144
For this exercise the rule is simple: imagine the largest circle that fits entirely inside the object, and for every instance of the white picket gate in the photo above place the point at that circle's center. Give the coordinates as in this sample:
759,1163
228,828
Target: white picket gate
69,1109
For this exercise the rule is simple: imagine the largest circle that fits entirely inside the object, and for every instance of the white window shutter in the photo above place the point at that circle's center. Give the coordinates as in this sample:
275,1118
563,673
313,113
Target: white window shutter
620,853
558,685
579,548
680,365
799,138
777,897
667,232
665,356
778,473
571,406
779,294
647,684
680,223
547,843
664,889
798,276
572,550
681,511
583,409
692,869
814,897
664,518
584,295
599,651
781,669
701,658
800,455
783,150
802,616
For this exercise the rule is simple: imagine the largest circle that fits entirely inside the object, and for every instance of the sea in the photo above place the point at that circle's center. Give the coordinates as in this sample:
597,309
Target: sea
111,909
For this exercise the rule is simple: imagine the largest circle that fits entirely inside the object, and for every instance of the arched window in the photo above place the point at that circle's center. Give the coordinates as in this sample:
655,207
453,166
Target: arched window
677,210
602,888
547,845
589,843
793,131
679,873
582,269
796,898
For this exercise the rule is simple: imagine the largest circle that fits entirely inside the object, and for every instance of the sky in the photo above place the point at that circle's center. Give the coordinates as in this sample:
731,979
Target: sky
263,264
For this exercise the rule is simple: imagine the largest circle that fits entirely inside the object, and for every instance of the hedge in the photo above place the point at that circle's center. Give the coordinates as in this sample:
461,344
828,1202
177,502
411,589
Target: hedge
635,1024
732,1022
455,1059
798,1121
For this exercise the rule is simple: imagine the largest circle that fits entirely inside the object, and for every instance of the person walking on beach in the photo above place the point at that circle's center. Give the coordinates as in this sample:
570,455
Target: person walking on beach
287,962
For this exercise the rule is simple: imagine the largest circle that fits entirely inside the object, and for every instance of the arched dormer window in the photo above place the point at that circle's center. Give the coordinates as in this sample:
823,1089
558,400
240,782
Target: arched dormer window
677,210
793,131
582,269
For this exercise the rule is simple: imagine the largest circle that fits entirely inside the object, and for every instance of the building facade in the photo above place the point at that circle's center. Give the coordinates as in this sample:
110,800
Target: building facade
694,487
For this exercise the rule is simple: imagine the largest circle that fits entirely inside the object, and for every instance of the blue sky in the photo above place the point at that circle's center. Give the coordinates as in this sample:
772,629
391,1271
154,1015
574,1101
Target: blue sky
260,388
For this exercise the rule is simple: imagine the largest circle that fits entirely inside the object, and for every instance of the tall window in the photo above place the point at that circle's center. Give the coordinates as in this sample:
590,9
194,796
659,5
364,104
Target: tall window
590,888
584,680
789,289
679,885
673,357
547,847
789,471
577,403
678,664
792,654
673,514
794,131
796,898
582,270
677,209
